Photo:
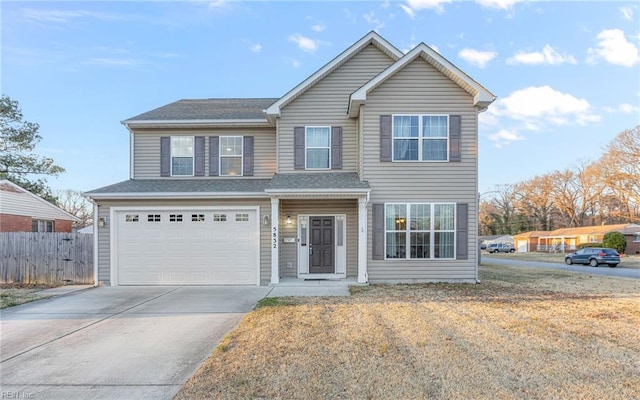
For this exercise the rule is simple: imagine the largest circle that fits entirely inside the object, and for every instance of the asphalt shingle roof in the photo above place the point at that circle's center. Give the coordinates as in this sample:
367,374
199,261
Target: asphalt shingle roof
328,180
208,109
151,186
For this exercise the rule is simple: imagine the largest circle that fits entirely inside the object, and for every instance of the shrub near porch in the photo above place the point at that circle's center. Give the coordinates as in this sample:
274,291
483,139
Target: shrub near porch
520,334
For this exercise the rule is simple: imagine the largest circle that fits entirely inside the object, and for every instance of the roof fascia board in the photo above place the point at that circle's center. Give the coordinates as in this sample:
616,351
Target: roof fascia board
370,38
174,195
187,123
482,97
40,199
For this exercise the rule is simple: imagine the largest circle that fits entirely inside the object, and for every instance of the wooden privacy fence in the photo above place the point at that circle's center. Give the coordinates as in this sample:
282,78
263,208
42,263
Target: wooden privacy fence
49,258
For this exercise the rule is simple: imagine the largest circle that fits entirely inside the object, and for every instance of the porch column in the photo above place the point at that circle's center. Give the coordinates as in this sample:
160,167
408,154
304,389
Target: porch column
275,239
362,241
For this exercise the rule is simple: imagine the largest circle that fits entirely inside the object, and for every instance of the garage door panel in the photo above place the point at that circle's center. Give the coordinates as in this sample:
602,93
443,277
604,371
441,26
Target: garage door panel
196,250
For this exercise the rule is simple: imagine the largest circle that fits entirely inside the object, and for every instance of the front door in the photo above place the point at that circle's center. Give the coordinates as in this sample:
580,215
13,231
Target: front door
321,245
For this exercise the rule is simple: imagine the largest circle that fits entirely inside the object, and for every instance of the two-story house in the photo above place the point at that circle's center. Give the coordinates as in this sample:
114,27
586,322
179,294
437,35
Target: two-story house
366,171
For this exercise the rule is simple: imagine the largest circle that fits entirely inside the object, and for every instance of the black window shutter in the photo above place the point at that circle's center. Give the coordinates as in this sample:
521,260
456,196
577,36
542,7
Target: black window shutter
199,156
214,155
298,147
386,144
165,156
336,147
247,156
462,231
455,138
378,231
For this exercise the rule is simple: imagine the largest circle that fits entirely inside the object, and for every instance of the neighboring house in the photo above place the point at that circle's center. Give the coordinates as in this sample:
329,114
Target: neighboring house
570,239
487,240
365,171
23,211
527,241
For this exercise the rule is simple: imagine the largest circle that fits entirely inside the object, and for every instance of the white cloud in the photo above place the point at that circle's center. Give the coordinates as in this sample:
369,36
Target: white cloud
319,27
627,13
413,6
373,20
304,43
614,48
548,55
498,4
540,107
625,108
504,137
477,57
256,48
64,16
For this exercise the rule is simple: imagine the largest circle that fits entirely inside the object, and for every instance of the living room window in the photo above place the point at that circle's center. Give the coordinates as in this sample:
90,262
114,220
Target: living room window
231,155
318,147
182,156
420,231
420,137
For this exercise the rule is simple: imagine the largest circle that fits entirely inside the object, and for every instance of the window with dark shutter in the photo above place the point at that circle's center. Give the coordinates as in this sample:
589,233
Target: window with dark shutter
298,147
378,232
214,156
248,156
386,144
455,138
199,156
336,147
165,156
462,231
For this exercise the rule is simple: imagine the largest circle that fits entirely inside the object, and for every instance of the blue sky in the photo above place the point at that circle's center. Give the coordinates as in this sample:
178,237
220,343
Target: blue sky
567,74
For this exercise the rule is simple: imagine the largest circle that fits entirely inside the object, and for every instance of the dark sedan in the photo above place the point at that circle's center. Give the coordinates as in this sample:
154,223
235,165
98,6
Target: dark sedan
594,256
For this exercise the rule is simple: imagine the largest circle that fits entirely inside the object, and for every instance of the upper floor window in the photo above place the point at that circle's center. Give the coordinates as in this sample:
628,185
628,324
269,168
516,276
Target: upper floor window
231,155
420,137
318,147
182,155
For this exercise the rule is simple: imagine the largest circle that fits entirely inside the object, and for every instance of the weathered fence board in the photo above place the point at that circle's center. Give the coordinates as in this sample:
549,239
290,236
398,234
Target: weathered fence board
50,258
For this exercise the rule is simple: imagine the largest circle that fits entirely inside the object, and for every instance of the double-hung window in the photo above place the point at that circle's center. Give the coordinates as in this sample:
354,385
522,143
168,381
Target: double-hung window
420,137
420,231
42,226
230,155
318,147
182,155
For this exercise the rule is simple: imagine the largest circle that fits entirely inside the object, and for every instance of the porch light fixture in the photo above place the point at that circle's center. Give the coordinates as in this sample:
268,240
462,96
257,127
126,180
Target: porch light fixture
265,220
289,221
102,221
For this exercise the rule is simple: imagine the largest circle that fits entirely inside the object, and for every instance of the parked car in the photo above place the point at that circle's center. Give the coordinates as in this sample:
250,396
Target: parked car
594,256
500,248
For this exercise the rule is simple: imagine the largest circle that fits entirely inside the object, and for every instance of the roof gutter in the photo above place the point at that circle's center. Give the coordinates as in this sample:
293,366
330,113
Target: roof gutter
197,123
173,195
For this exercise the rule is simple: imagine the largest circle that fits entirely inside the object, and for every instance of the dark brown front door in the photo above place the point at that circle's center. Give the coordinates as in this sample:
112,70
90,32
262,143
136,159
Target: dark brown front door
321,251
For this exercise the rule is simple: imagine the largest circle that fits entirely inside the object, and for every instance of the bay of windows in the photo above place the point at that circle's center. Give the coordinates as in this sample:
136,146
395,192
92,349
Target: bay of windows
420,137
420,230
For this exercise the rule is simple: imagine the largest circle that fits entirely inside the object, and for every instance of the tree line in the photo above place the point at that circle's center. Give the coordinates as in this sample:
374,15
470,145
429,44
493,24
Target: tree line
601,192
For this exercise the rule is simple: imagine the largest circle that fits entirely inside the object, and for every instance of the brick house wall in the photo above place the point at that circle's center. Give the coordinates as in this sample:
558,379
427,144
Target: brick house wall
22,223
633,248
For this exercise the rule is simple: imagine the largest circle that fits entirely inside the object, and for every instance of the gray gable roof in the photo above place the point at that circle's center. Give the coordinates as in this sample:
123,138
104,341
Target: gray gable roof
208,109
184,186
326,180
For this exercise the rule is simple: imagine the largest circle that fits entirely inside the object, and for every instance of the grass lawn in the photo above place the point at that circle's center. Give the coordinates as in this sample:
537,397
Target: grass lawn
520,334
16,294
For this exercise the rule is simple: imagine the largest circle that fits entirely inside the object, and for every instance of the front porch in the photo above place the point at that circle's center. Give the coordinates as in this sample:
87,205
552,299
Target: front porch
313,288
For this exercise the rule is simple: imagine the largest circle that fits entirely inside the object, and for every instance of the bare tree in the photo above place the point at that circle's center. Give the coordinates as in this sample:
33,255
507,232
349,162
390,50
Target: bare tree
74,203
535,200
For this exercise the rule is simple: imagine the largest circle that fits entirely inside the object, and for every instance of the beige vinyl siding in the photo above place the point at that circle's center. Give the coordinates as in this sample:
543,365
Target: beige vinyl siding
104,268
419,88
146,149
289,251
325,104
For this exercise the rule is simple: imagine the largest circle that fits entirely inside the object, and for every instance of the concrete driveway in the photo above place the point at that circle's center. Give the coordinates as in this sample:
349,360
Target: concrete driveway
116,342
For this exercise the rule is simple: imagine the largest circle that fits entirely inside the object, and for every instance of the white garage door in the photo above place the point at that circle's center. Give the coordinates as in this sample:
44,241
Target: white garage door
522,246
178,247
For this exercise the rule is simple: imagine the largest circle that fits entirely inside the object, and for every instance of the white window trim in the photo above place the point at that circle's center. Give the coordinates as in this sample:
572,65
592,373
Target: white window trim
221,156
431,230
306,147
193,154
419,138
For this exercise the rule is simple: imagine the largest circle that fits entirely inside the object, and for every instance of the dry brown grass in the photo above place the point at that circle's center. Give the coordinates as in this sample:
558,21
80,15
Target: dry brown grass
521,334
12,294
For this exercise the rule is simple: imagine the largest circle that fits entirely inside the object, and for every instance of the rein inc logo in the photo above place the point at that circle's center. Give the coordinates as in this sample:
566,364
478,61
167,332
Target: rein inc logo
16,395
